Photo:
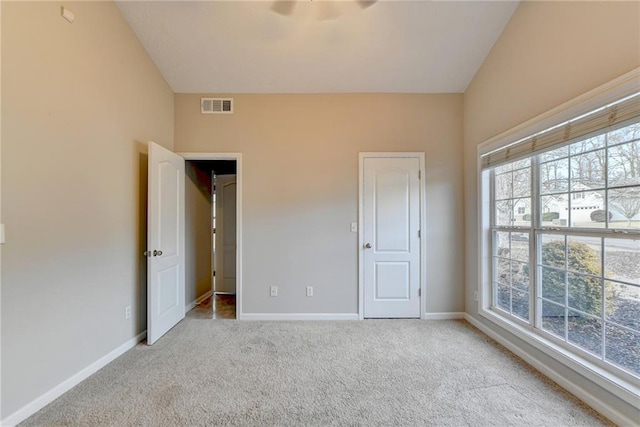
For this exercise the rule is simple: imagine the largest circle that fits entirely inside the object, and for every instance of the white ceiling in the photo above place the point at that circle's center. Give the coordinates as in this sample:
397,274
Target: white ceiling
244,47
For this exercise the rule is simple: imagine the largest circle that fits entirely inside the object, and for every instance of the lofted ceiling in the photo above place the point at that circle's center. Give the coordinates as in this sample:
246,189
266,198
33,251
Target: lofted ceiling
244,47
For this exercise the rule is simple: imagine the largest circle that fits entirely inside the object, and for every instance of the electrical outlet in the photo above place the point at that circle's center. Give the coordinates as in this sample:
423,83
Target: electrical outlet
127,312
475,295
274,291
309,291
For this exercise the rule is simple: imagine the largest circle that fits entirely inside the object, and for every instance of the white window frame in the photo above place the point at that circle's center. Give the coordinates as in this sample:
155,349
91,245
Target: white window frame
626,387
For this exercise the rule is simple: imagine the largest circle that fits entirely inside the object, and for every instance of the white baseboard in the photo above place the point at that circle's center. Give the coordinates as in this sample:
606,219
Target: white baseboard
453,315
298,316
197,301
337,316
48,397
581,393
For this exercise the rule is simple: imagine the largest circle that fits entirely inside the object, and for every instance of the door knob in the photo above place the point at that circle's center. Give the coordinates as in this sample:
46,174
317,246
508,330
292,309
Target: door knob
147,253
157,253
367,246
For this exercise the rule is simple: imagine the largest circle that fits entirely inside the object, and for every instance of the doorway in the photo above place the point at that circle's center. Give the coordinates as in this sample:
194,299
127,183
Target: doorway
391,253
212,230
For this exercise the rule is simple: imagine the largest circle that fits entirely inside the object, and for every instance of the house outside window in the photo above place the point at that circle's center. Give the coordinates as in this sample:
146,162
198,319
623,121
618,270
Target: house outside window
566,265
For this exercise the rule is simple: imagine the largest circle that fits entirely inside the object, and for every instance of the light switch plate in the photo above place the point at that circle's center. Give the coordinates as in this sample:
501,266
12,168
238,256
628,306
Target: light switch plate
354,227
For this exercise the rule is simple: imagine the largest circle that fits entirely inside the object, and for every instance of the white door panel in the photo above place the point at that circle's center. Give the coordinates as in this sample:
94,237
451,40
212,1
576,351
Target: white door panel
392,211
226,233
168,207
165,242
167,290
391,281
391,223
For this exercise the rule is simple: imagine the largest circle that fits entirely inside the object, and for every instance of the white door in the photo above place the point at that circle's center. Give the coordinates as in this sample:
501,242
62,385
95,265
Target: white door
165,242
226,233
391,249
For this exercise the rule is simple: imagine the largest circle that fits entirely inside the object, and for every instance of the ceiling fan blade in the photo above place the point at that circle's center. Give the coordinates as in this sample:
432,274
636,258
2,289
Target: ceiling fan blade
366,3
283,7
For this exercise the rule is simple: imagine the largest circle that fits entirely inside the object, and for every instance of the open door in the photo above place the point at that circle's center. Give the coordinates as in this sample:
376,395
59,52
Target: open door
226,234
165,242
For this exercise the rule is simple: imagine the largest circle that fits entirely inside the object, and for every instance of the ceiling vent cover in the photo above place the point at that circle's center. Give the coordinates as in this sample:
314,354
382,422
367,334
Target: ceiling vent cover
216,105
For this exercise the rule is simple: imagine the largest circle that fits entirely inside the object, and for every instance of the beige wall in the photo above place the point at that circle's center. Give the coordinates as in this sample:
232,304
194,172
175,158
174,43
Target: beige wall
300,188
198,231
77,101
549,53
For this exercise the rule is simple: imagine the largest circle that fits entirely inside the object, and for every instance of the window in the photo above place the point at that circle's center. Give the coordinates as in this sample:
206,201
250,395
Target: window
569,269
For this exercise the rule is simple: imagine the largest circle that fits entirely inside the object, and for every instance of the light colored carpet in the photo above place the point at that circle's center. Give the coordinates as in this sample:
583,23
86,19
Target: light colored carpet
373,372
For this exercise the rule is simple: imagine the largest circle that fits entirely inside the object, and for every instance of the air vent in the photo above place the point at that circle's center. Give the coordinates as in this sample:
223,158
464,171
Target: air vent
216,105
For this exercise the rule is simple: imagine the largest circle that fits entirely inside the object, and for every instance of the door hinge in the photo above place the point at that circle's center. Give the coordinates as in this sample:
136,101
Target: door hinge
419,234
419,174
214,273
419,292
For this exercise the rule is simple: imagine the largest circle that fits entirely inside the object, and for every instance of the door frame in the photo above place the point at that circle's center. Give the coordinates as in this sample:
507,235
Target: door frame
239,181
422,216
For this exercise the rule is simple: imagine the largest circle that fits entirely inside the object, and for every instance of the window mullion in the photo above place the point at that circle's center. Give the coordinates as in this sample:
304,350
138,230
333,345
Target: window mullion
603,305
492,194
606,181
534,310
492,237
603,254
566,288
570,193
591,232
